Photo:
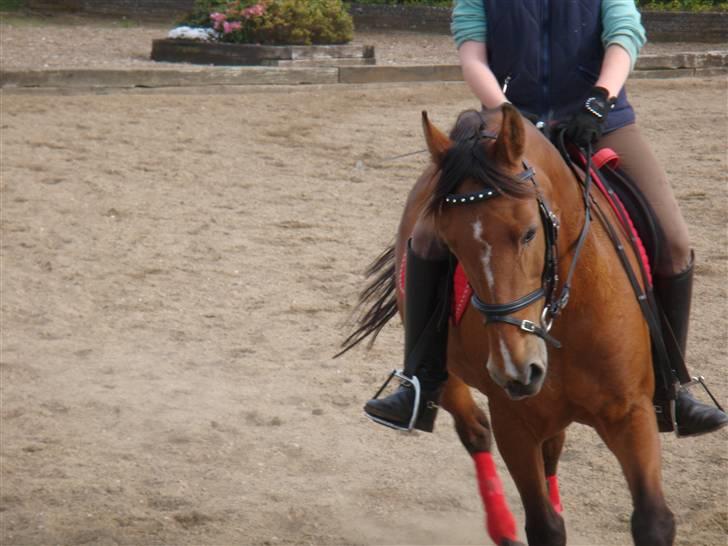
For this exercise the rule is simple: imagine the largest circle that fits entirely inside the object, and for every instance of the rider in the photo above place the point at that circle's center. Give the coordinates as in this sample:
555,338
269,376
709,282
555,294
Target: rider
559,61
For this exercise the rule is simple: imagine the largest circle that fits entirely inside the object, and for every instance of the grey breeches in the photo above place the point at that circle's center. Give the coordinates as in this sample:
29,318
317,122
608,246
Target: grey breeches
639,162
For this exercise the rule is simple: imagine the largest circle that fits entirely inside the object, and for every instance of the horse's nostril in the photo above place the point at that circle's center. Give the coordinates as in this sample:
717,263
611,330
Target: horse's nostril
536,374
529,384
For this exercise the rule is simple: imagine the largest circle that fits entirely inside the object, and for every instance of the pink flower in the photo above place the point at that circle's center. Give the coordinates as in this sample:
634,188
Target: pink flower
254,11
217,19
231,27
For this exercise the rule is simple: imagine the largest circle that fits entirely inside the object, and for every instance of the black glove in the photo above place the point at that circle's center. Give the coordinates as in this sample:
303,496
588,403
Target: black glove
533,118
585,127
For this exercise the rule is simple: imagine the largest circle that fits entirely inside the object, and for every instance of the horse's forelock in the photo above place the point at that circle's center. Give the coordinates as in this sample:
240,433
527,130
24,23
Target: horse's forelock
468,125
468,159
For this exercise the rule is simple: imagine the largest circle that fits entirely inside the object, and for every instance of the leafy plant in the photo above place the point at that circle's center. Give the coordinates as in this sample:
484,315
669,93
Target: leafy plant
663,5
200,14
11,5
683,5
291,22
436,3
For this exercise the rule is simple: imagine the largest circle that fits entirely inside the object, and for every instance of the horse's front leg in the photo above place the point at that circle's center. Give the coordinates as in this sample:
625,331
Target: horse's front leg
552,449
634,440
473,428
524,456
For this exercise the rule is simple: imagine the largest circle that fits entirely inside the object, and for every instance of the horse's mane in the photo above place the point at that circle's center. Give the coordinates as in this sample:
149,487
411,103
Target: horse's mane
467,160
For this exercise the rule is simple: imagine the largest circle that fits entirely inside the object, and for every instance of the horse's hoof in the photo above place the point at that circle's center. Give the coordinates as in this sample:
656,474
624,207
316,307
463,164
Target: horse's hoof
508,542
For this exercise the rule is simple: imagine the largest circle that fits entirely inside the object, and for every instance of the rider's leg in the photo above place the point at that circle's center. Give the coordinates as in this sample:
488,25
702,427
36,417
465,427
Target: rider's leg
674,272
639,162
426,306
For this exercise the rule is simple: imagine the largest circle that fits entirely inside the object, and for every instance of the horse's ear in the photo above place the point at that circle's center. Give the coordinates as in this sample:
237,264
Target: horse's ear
437,142
511,141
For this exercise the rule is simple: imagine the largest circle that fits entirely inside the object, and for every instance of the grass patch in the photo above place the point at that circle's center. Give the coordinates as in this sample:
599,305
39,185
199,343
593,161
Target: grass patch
127,23
11,5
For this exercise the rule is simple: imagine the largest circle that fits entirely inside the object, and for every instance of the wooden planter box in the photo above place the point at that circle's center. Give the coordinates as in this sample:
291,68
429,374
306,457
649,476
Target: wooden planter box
197,52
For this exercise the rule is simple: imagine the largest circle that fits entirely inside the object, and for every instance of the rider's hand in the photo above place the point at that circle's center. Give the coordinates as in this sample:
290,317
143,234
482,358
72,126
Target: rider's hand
585,127
533,118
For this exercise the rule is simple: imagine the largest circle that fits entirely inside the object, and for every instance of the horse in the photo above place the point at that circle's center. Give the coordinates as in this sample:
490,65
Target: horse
562,338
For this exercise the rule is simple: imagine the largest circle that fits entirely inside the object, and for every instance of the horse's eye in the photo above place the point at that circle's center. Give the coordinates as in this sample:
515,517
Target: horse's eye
529,235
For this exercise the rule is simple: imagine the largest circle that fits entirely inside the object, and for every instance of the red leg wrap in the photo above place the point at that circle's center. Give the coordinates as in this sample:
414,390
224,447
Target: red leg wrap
552,482
499,519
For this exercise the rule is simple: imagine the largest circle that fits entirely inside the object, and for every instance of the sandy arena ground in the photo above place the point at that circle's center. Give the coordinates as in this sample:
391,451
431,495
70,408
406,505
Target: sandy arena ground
176,270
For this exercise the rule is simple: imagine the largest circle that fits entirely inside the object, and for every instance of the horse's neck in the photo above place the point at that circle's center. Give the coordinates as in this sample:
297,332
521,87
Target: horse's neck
598,263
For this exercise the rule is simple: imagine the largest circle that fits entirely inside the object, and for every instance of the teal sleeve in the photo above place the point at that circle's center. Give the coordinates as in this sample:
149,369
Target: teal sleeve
468,21
622,25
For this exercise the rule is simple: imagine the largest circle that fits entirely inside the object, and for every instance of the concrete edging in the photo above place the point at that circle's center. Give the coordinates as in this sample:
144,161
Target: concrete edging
253,75
709,63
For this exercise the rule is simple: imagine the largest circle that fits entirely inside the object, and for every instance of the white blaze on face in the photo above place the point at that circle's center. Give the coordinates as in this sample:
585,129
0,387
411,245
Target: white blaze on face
485,258
508,367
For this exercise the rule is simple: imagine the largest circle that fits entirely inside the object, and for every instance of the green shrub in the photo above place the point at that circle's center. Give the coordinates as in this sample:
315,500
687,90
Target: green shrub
290,22
437,3
200,14
683,5
11,5
680,5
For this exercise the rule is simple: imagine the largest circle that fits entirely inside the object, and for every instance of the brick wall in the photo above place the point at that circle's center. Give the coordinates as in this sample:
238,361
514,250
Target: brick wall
403,17
146,9
686,27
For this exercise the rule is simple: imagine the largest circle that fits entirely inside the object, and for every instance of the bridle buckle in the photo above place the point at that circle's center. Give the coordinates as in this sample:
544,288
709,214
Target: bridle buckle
528,326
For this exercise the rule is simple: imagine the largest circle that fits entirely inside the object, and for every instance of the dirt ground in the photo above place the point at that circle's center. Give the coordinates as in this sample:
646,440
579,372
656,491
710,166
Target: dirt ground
75,41
176,272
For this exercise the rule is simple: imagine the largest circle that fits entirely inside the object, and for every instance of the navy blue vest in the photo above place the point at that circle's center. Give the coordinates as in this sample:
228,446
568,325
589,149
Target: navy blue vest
550,53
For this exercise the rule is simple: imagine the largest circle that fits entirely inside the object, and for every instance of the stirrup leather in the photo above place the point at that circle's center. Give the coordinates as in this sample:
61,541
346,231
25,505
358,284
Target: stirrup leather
666,416
415,384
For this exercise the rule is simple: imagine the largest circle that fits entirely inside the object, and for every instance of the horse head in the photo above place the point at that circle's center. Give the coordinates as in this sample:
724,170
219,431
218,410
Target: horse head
486,206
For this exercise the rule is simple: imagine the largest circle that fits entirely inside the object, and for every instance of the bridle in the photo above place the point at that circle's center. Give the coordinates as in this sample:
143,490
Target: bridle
553,303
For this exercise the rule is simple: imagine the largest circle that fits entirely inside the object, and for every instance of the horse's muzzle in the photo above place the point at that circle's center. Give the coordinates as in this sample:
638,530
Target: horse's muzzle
529,384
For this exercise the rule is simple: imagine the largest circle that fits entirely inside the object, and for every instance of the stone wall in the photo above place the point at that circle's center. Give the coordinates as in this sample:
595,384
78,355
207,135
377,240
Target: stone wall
143,9
661,26
686,27
404,17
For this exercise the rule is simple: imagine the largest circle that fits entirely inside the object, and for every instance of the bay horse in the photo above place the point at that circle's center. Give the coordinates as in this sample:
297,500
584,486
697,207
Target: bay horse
517,221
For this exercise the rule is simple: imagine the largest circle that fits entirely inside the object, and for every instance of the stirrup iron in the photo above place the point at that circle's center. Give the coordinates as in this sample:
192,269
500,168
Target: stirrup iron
415,383
700,380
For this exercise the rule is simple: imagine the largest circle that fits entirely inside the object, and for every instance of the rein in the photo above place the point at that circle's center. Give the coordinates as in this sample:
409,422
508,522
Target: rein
554,303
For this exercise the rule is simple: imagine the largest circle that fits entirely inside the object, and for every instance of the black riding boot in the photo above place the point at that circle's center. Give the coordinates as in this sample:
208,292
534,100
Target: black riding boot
425,346
673,296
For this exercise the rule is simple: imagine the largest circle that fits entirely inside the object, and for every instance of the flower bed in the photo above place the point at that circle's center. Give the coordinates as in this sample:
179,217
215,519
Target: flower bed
274,22
264,32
